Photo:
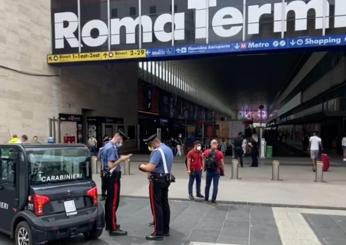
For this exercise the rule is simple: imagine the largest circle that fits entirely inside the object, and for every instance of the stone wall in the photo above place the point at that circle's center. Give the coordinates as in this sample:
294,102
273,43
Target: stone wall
31,91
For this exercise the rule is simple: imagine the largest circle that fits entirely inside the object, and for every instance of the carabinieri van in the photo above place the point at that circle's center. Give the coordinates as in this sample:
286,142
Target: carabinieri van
47,193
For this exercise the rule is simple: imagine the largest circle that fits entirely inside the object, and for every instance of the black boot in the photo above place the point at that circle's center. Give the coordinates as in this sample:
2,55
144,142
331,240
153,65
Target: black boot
155,237
118,232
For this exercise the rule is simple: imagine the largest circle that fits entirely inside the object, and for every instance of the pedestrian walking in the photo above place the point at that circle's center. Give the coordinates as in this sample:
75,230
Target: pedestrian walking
315,149
111,156
160,178
24,139
343,144
223,147
14,139
173,145
92,145
253,144
194,169
35,140
180,144
214,166
238,148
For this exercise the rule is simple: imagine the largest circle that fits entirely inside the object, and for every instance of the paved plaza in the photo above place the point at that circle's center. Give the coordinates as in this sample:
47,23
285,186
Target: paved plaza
251,211
199,223
297,187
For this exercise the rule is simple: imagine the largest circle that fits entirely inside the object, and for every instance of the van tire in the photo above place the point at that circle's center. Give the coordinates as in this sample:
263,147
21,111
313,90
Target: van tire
94,234
23,233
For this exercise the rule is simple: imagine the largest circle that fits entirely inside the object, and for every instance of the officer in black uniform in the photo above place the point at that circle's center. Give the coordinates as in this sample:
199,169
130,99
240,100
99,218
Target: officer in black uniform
160,177
104,172
111,157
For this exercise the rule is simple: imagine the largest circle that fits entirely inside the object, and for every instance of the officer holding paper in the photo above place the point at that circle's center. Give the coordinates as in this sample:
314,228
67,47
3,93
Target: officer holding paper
110,156
160,177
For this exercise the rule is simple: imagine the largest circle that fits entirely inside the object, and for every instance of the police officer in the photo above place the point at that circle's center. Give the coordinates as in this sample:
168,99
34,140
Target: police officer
159,169
110,155
104,169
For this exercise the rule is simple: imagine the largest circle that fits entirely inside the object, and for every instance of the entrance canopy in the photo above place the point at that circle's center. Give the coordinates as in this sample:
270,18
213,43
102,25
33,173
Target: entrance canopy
102,30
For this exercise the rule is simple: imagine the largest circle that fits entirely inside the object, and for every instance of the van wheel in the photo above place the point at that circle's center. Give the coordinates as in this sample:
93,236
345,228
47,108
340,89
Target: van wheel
93,234
23,234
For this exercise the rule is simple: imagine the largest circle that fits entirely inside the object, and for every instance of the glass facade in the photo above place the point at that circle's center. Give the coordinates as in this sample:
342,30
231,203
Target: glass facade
162,72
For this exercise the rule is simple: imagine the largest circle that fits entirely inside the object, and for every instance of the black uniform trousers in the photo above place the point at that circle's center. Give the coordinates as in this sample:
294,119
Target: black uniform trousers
158,193
104,178
112,201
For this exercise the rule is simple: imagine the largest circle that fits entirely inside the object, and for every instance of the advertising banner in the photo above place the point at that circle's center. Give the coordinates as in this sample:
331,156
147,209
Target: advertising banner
102,30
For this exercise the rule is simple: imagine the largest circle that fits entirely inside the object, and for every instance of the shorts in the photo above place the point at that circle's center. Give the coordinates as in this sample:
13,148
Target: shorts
315,154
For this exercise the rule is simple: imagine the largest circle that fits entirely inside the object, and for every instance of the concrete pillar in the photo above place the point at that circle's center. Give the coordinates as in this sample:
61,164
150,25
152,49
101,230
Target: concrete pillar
276,170
235,169
127,167
319,172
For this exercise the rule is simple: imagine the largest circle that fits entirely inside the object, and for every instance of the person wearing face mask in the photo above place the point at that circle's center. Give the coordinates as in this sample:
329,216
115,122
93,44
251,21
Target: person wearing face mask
194,169
214,166
112,160
159,169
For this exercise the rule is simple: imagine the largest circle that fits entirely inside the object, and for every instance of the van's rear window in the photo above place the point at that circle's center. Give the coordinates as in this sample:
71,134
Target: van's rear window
59,165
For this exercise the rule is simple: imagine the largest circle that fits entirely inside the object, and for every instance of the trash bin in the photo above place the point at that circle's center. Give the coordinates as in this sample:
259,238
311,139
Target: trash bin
269,151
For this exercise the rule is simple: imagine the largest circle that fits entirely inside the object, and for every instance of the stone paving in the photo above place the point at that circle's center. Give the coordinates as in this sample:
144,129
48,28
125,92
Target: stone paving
297,187
200,223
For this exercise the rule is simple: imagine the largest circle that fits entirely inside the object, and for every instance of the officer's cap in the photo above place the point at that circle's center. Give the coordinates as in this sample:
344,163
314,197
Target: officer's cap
150,139
123,135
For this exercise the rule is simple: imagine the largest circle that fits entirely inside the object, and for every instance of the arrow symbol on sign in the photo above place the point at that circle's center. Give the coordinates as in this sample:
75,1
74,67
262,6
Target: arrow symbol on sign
293,43
237,46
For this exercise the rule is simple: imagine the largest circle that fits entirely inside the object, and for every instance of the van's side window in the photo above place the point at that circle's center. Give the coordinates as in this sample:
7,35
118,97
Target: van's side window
8,162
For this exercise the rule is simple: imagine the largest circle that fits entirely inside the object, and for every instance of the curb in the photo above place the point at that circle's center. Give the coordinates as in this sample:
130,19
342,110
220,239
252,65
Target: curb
240,203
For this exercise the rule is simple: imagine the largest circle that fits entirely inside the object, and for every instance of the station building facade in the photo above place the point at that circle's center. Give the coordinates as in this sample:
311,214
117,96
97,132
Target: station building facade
36,96
74,101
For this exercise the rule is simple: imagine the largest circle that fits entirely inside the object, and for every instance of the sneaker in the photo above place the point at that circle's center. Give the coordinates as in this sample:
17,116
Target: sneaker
191,198
200,196
118,232
344,159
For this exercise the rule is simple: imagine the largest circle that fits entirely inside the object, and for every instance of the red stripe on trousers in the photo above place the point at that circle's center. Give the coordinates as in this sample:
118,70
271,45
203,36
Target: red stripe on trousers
152,201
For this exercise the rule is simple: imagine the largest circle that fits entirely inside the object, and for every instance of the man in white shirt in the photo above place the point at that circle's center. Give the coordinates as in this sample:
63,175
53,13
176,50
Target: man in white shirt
343,143
315,149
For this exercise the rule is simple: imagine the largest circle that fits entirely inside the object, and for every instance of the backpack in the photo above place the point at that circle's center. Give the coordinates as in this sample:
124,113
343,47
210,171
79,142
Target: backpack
211,161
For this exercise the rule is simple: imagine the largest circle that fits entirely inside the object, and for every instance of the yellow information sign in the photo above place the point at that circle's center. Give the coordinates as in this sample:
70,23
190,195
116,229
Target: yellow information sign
97,56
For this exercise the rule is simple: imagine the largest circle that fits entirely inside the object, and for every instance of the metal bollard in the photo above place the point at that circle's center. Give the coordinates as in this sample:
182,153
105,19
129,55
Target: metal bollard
127,167
276,170
235,169
319,172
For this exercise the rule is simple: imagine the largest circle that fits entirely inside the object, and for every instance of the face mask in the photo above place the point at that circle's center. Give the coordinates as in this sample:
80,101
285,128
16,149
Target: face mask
150,148
199,148
119,145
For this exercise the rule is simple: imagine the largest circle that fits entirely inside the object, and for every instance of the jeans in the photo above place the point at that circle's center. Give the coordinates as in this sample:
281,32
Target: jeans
239,155
254,156
195,175
212,177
